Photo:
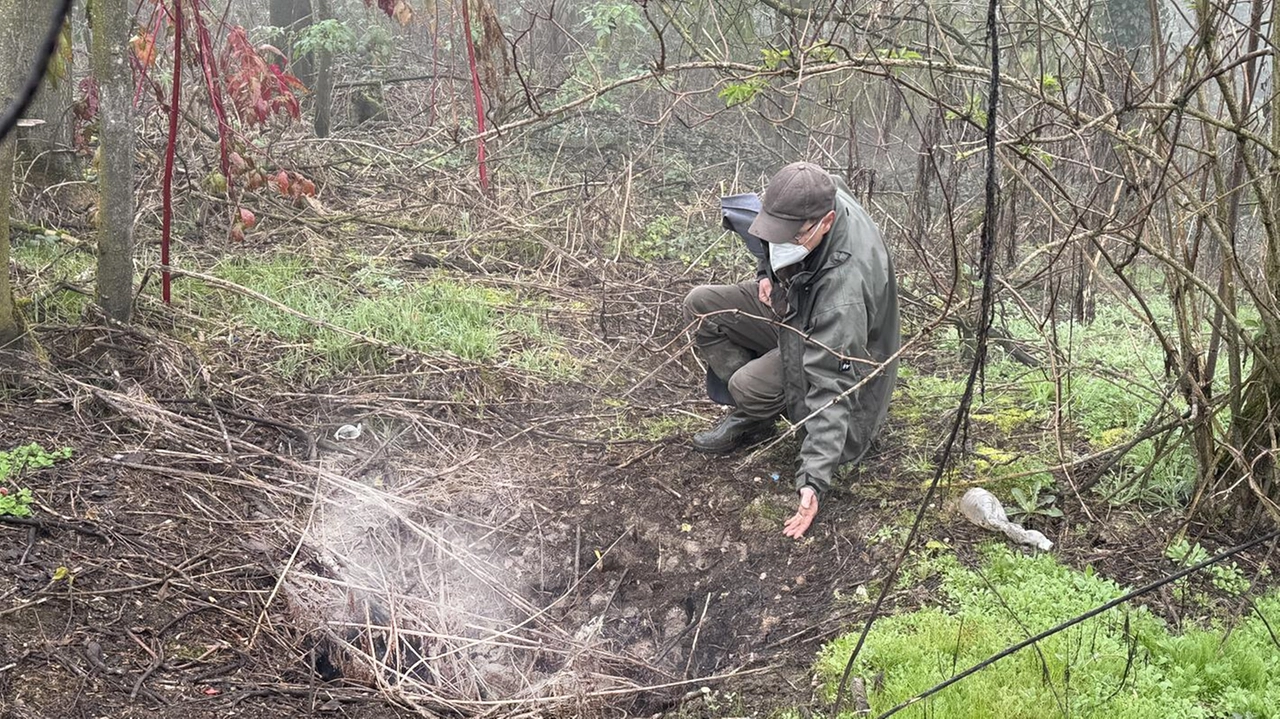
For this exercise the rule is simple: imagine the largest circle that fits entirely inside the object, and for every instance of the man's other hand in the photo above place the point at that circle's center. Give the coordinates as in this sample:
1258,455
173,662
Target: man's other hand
799,523
765,291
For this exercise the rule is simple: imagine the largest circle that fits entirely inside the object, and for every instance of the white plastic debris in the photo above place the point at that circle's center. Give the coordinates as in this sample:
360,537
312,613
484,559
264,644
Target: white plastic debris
984,509
349,431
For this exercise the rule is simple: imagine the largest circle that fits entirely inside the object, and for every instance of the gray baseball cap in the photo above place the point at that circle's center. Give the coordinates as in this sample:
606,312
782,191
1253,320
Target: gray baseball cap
800,192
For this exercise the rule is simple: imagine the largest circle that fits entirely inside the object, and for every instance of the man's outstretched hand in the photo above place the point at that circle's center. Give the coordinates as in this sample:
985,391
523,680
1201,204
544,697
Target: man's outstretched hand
799,523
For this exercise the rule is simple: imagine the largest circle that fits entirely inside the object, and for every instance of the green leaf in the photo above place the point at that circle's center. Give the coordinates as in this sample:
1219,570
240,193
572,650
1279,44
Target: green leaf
773,59
737,93
821,51
1021,497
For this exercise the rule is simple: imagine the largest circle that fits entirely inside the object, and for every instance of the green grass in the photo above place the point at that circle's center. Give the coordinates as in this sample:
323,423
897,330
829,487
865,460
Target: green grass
1112,391
1008,426
655,427
52,261
1123,664
439,316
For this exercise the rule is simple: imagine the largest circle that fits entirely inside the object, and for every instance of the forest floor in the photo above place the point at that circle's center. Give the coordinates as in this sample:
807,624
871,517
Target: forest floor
138,589
208,550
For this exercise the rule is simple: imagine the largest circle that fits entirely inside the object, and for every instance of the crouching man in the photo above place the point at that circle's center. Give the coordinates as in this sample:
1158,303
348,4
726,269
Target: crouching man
820,316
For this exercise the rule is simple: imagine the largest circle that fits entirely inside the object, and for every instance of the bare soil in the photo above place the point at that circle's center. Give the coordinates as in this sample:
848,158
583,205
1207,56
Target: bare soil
567,543
137,590
139,586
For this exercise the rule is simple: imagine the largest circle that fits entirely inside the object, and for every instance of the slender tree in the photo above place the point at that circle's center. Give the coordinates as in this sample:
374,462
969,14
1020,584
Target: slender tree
10,318
109,21
1255,427
10,32
324,77
294,16
48,145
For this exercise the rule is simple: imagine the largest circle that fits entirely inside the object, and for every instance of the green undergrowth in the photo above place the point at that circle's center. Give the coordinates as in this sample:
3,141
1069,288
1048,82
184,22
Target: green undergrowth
441,316
1009,448
16,500
687,241
63,277
654,427
1110,390
1122,664
1108,387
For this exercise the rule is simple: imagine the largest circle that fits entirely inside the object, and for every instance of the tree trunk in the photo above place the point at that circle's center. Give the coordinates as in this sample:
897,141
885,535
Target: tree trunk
324,77
47,146
1256,424
294,16
110,47
1083,303
10,32
11,329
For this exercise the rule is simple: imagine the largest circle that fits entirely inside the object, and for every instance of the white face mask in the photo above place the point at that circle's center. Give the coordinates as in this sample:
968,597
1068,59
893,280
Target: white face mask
785,255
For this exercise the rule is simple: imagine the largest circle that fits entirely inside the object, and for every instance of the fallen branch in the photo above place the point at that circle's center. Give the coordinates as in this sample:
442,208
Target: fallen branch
63,236
47,522
394,80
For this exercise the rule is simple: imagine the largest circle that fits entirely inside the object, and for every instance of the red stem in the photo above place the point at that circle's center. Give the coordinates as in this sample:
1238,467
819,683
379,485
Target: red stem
475,87
212,75
166,222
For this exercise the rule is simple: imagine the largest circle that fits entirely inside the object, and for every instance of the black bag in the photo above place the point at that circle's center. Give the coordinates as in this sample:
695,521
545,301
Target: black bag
738,212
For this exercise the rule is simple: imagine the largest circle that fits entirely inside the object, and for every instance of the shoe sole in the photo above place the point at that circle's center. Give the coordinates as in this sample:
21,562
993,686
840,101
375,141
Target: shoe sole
718,451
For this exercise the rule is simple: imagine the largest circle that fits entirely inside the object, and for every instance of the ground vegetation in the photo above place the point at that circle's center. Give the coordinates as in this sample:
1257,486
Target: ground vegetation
348,374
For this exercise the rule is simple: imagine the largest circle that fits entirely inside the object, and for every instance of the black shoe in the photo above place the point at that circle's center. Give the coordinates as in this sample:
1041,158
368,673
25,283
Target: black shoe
732,432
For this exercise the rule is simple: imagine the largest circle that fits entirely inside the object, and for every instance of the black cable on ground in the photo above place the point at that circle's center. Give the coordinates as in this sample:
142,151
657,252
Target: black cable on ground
986,313
27,93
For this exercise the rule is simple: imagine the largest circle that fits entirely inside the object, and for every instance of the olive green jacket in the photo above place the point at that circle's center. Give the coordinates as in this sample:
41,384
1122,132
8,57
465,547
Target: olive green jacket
841,306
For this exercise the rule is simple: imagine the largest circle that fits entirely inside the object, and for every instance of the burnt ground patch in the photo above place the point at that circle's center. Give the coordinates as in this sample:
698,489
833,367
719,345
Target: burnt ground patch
209,552
180,563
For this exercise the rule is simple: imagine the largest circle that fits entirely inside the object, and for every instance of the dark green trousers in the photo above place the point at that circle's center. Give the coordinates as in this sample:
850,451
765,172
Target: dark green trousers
738,346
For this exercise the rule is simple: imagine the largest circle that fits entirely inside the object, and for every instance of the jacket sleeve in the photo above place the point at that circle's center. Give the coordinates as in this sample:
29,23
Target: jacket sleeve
762,267
843,329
